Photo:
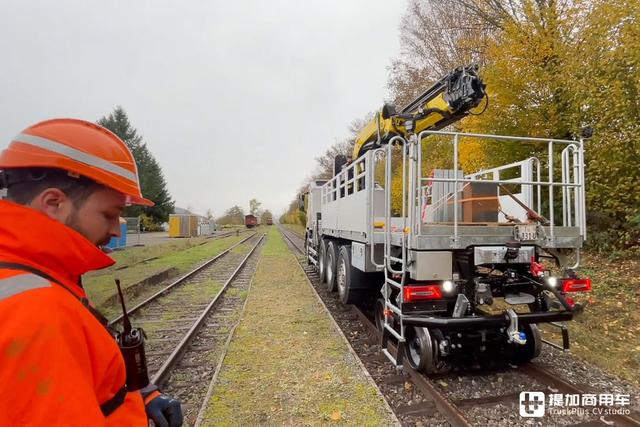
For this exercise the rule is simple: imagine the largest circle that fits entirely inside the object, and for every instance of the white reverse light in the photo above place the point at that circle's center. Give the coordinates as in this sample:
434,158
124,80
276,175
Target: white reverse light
552,281
447,286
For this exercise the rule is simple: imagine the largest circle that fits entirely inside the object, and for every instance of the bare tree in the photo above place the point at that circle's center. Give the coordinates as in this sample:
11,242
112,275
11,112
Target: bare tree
498,14
494,13
254,207
324,169
436,36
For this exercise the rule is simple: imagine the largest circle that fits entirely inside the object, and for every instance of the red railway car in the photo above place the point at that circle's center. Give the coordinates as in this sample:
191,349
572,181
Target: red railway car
250,221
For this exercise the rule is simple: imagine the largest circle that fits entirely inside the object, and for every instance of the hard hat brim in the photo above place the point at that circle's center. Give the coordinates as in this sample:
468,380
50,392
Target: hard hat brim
141,201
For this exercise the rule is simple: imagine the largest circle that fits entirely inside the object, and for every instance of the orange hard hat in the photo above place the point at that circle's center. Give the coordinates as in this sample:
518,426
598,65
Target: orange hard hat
81,148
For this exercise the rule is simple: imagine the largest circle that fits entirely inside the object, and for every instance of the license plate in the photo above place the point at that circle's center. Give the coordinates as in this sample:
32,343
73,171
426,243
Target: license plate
526,232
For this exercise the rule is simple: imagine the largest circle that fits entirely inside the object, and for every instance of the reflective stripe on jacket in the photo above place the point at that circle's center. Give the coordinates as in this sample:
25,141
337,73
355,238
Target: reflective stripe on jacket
57,362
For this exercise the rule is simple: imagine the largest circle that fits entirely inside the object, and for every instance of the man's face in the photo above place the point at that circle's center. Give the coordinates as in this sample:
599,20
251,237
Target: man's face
98,219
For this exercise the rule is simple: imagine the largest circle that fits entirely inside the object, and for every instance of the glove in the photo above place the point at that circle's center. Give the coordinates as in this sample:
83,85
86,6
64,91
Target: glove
162,409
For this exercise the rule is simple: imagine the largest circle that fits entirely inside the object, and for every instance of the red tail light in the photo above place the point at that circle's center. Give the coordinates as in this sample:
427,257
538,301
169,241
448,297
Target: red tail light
414,293
576,285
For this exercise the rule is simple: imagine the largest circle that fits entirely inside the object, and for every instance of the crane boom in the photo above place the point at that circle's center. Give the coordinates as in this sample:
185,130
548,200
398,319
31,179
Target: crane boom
446,102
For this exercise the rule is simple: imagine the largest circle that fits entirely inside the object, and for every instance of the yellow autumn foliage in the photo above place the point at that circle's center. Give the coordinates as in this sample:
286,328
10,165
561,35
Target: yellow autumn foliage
552,69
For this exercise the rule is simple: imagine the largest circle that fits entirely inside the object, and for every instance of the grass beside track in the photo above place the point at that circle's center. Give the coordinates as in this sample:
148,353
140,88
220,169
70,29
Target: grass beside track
608,333
286,364
184,255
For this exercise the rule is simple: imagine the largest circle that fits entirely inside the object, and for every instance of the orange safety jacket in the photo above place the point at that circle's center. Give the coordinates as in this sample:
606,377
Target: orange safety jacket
58,364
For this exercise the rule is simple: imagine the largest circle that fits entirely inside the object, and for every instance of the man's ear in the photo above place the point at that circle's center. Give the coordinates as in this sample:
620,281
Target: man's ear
54,203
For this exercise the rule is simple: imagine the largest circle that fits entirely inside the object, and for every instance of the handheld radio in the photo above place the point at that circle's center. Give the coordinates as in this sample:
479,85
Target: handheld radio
131,343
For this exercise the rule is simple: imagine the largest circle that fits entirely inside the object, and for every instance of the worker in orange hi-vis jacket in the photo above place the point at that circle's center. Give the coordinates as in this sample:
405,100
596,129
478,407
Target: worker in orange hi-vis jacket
67,183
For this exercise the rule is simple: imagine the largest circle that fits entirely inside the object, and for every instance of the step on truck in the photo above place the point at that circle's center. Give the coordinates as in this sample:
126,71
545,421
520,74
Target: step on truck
454,263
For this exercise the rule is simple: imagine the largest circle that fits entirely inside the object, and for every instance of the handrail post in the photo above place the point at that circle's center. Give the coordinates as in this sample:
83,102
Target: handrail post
583,202
387,207
550,165
370,184
455,191
419,183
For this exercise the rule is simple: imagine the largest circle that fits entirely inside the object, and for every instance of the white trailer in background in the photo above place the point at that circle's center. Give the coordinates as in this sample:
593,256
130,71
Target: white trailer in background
457,269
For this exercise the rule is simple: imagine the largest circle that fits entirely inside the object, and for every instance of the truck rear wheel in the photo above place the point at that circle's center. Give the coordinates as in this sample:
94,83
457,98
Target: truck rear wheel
322,254
331,256
349,279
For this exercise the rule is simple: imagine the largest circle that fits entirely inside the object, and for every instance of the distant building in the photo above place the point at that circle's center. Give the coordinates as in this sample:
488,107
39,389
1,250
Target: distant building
184,223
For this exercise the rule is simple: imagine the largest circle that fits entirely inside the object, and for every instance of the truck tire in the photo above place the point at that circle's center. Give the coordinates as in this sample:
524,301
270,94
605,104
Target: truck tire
322,266
348,278
331,257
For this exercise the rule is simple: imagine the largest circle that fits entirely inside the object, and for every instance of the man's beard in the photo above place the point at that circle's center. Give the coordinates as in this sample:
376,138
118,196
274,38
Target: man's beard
73,221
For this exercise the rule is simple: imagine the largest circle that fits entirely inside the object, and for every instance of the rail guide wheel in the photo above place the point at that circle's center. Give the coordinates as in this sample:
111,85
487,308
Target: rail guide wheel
420,350
519,354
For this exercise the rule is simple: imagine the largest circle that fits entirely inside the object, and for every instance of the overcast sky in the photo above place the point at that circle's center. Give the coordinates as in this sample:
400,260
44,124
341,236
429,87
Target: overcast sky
234,99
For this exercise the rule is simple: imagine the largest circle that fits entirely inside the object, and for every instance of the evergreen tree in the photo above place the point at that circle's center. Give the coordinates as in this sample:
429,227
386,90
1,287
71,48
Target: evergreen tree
152,180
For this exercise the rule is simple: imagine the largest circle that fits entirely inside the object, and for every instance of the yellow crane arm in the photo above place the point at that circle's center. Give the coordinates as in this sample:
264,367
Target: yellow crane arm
446,102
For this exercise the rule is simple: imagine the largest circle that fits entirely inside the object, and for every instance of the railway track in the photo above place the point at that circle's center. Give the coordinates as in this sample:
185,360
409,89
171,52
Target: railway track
179,281
418,399
155,282
187,323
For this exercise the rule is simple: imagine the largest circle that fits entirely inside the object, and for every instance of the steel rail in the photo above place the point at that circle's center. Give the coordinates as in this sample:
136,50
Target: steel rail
177,282
220,236
163,372
224,234
295,245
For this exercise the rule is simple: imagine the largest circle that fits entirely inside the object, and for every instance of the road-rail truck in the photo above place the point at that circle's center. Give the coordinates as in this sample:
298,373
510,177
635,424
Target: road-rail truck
455,263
